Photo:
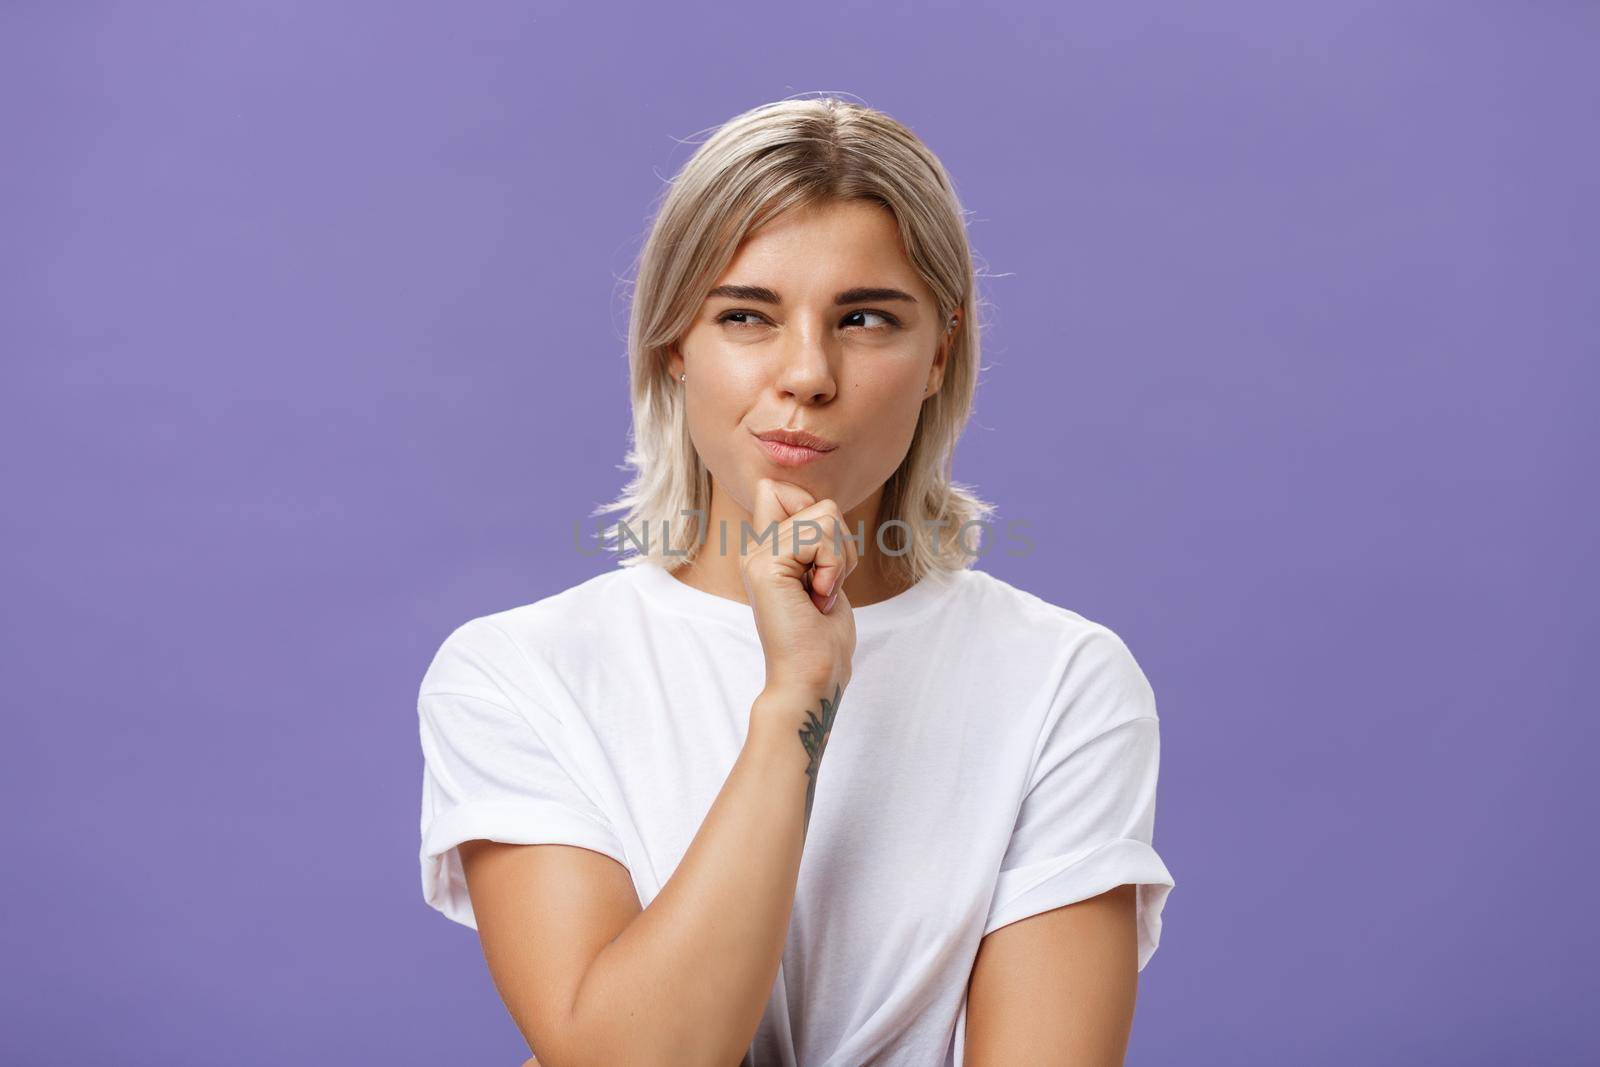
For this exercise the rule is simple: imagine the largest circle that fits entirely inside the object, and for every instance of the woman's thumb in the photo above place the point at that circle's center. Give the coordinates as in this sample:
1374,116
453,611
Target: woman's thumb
774,502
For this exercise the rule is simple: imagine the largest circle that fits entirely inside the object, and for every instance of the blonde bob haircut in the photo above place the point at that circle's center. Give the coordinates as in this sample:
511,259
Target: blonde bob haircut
783,155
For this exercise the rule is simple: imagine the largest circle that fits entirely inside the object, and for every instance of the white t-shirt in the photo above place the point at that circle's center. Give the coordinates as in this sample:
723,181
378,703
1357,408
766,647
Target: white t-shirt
994,757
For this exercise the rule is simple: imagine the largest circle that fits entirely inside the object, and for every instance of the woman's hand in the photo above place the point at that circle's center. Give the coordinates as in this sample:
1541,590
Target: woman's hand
804,620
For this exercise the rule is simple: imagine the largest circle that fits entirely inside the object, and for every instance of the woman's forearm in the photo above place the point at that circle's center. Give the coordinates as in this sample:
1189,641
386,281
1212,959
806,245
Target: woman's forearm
687,981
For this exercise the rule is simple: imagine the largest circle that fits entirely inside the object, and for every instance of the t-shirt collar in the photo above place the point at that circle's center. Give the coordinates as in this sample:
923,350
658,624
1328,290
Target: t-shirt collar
674,592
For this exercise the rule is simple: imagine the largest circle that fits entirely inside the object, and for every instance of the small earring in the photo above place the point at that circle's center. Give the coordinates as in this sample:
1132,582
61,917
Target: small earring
683,377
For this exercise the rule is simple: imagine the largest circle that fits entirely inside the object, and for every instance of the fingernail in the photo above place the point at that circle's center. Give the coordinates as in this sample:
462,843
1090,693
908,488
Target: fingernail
828,606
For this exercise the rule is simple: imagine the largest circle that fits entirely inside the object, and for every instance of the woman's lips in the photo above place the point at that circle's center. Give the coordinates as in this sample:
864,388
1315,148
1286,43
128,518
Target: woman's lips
789,455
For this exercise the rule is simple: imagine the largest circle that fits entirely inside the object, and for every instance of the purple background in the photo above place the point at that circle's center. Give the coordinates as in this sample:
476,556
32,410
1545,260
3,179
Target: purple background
313,320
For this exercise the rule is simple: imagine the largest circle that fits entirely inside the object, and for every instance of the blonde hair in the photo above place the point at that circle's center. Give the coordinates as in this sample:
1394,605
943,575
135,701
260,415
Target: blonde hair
797,153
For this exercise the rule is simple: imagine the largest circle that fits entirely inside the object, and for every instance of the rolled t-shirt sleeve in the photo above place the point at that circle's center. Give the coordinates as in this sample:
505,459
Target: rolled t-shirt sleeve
1087,820
495,766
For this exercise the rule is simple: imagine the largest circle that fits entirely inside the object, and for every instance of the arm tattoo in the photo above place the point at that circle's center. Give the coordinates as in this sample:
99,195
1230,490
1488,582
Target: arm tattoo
814,736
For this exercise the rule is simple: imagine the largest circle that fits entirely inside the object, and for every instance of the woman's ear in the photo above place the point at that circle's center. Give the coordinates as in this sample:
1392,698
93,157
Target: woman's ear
941,362
941,358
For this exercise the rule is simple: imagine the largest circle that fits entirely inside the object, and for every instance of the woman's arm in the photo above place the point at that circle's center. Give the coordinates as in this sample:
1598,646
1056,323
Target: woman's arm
590,978
1057,987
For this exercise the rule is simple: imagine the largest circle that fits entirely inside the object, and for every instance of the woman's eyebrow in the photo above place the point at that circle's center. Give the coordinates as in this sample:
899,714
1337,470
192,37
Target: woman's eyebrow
762,295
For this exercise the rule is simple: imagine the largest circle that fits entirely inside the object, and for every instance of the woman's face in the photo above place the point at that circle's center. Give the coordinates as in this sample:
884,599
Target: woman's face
775,347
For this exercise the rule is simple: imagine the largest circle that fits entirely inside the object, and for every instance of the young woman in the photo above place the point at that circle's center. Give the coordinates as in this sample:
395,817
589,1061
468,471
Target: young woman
796,784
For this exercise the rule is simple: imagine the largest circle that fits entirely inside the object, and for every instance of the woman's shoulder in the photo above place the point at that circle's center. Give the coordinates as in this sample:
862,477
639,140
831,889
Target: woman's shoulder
1041,638
998,603
534,635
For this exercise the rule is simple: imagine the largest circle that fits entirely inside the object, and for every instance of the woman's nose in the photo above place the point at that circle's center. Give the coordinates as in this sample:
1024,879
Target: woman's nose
807,371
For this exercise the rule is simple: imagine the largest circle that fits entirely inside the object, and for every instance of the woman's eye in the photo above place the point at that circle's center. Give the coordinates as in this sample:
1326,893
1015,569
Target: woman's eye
888,320
732,318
